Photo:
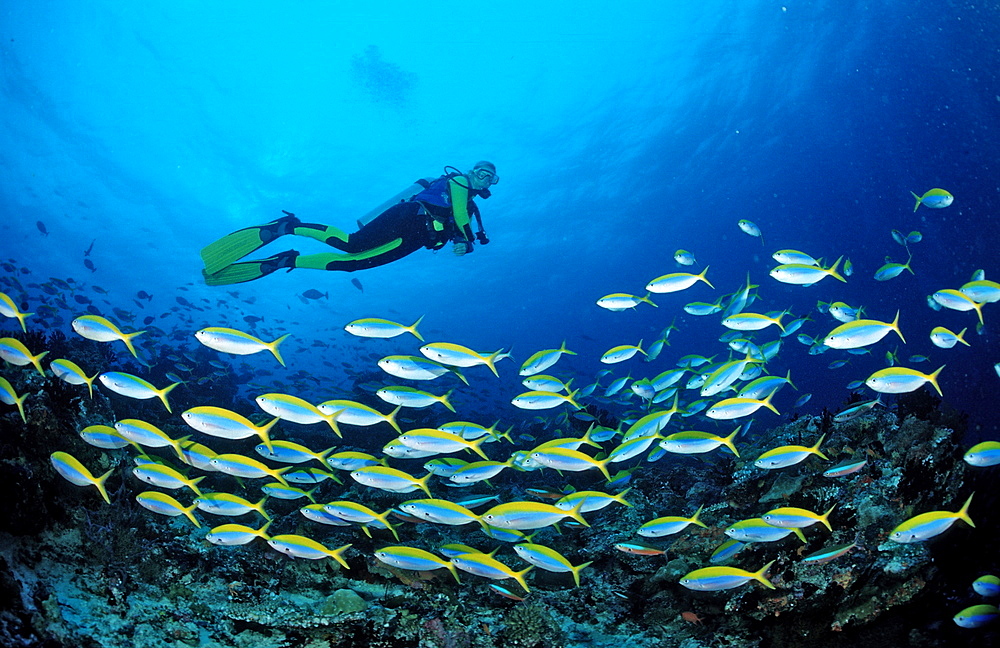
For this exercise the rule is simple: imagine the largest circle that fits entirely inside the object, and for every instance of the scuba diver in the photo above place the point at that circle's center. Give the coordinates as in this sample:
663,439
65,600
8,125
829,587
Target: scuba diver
429,214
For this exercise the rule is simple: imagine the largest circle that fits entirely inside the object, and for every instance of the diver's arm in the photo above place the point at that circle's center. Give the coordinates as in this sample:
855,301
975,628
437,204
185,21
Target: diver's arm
460,210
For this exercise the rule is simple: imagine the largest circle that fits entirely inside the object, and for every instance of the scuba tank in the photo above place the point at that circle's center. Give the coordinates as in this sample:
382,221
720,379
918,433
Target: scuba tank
402,196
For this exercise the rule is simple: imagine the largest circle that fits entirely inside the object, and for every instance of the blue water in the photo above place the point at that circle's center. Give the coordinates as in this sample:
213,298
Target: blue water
619,137
134,134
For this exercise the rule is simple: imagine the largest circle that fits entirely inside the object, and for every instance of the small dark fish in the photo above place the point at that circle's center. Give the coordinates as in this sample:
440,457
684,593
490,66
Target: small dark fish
312,293
49,289
59,283
123,314
41,228
142,294
86,252
138,303
252,319
80,299
93,310
99,290
357,284
9,267
148,320
89,265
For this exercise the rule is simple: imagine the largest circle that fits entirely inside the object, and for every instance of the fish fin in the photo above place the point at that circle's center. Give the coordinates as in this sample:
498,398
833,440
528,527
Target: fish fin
963,513
390,418
932,379
99,482
576,571
760,575
413,329
273,347
825,518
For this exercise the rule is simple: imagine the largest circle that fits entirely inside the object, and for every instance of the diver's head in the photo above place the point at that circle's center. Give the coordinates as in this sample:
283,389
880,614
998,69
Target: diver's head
483,175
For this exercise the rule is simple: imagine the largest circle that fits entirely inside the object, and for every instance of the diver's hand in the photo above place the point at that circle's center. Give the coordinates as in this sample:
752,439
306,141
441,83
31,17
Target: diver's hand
461,248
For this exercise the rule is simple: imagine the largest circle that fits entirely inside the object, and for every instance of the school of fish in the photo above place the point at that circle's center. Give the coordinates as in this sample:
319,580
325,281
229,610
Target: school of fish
729,385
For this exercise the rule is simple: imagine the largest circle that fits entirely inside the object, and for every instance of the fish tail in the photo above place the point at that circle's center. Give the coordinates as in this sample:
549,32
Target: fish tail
194,485
798,534
384,519
190,515
648,300
259,507
162,393
177,445
767,403
476,446
444,399
603,467
932,379
701,276
825,518
450,566
761,575
262,532
895,327
279,474
99,482
264,433
695,520
23,316
918,200
728,441
519,577
19,401
504,435
587,437
337,554
273,348
390,418
423,484
788,379
576,571
127,339
620,497
331,419
815,449
979,312
490,361
90,383
563,349
413,328
576,513
37,361
832,270
569,399
639,348
963,513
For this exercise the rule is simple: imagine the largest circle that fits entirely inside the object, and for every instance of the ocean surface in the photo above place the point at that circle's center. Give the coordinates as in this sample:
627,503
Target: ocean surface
135,134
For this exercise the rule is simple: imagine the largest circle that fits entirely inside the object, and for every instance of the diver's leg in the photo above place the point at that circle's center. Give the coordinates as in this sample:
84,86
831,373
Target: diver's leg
392,235
350,262
398,220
